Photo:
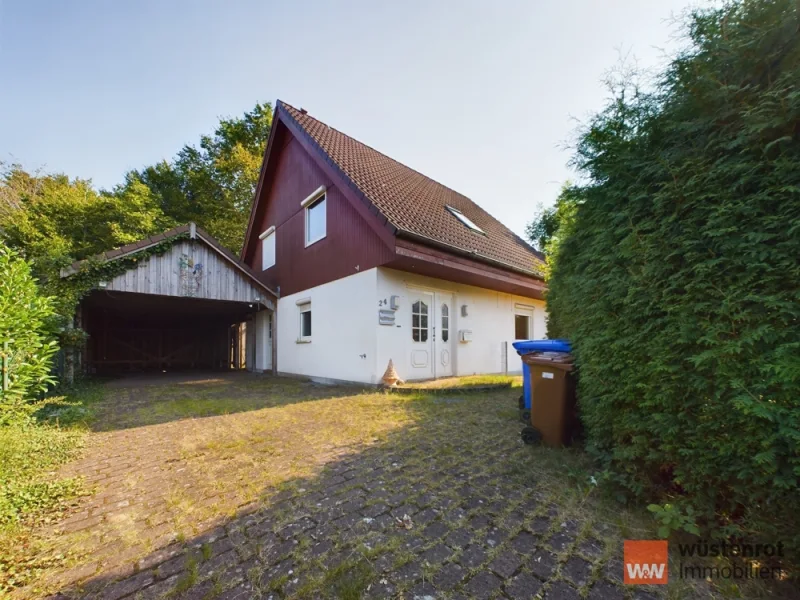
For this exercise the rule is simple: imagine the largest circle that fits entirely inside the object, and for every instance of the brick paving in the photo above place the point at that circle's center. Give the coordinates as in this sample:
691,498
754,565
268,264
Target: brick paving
447,504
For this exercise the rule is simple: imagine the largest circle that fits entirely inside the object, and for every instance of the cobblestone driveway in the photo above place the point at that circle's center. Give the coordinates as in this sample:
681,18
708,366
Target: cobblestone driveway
424,497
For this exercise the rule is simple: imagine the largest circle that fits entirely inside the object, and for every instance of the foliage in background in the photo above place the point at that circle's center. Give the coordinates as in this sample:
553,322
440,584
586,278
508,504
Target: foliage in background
213,184
53,221
678,280
26,337
551,225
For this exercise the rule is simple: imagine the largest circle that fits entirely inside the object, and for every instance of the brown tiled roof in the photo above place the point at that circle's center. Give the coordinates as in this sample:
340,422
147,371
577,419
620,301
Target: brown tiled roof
415,204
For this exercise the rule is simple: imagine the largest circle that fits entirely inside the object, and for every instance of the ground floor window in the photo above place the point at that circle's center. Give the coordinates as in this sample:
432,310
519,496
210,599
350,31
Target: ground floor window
305,322
522,327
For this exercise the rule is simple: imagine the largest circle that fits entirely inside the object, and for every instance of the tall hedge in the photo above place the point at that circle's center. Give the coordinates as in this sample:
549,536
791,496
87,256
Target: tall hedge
679,279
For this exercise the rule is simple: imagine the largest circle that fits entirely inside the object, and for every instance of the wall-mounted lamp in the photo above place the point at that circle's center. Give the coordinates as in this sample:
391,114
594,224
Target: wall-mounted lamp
464,312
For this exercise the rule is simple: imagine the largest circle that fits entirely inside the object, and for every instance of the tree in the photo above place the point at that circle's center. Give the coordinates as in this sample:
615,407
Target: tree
678,279
213,184
552,225
26,336
52,220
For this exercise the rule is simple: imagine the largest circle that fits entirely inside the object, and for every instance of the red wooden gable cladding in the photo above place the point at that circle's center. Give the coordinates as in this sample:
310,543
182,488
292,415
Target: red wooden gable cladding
350,245
358,236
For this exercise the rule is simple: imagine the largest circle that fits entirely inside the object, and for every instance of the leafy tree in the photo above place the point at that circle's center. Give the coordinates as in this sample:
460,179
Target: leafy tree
26,340
213,184
52,220
551,225
678,279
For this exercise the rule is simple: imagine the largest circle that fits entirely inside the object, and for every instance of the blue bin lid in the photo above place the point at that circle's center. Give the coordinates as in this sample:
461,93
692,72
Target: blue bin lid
528,346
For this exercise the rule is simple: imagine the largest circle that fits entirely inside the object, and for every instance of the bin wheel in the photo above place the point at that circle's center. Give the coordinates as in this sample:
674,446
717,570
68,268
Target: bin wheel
525,416
531,435
522,402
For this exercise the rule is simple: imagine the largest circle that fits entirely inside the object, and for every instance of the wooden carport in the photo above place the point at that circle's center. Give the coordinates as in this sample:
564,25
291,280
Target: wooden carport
192,305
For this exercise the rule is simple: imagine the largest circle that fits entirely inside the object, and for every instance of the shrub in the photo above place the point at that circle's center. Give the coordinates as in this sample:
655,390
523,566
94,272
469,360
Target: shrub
679,279
26,340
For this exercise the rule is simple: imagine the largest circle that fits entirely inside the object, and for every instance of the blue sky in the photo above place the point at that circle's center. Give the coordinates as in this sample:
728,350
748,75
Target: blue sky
481,96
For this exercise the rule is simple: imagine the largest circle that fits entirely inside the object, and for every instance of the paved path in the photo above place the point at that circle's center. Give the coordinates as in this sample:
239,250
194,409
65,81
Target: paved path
310,492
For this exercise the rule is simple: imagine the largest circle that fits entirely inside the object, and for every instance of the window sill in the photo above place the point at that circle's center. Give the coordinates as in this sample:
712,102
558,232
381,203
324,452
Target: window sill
319,239
302,341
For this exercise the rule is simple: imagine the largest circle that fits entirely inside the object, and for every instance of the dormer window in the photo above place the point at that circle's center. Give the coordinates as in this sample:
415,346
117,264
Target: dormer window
464,219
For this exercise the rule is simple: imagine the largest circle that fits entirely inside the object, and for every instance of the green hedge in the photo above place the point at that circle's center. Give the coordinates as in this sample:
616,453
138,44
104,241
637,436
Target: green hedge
679,279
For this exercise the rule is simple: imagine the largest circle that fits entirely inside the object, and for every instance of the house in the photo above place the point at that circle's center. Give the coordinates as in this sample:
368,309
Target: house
174,301
374,261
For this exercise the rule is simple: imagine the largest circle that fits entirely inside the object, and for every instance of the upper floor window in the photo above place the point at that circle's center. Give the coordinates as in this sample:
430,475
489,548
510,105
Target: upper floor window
315,207
268,248
464,219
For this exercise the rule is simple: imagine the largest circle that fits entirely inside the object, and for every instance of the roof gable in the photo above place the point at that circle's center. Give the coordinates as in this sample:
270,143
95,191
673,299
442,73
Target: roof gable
414,205
188,231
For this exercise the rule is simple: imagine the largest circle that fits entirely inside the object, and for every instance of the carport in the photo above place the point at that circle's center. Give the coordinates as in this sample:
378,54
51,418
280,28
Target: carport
190,306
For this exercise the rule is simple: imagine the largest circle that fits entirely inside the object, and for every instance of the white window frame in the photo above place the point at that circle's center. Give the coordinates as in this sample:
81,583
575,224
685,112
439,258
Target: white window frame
464,219
304,306
320,194
268,237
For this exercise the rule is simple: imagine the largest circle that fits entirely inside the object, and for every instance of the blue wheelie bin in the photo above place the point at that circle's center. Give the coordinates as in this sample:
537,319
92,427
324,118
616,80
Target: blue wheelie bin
527,347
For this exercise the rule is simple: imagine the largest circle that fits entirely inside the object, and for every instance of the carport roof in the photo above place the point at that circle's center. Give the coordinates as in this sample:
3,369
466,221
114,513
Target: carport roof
193,231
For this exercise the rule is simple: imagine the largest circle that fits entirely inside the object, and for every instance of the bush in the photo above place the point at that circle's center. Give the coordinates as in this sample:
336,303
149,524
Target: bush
26,340
678,280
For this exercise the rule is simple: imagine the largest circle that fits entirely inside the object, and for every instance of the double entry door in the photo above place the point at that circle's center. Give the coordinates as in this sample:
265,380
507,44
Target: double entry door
431,334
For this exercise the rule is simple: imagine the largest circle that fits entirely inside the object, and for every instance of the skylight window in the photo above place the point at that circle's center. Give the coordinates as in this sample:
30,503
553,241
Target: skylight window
464,219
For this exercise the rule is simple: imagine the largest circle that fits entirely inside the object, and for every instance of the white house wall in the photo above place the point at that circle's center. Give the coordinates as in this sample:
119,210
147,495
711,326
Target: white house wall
343,343
490,319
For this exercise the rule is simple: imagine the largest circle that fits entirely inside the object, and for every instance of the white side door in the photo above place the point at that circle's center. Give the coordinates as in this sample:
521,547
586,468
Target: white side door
422,359
443,335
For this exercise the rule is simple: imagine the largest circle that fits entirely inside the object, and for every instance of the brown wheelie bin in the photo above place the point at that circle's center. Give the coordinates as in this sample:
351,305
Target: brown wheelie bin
553,403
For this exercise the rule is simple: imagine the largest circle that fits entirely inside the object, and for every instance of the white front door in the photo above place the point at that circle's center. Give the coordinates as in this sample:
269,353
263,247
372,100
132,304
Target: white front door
443,336
422,359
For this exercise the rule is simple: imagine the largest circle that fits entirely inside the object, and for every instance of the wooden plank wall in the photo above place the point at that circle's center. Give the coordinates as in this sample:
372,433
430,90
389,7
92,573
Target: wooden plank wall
190,269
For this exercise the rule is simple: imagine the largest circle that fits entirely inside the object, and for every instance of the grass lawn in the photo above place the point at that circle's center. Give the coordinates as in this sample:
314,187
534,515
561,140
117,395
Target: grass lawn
476,381
31,494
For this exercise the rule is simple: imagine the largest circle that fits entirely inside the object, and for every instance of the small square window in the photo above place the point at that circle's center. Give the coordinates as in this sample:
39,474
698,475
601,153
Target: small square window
316,220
